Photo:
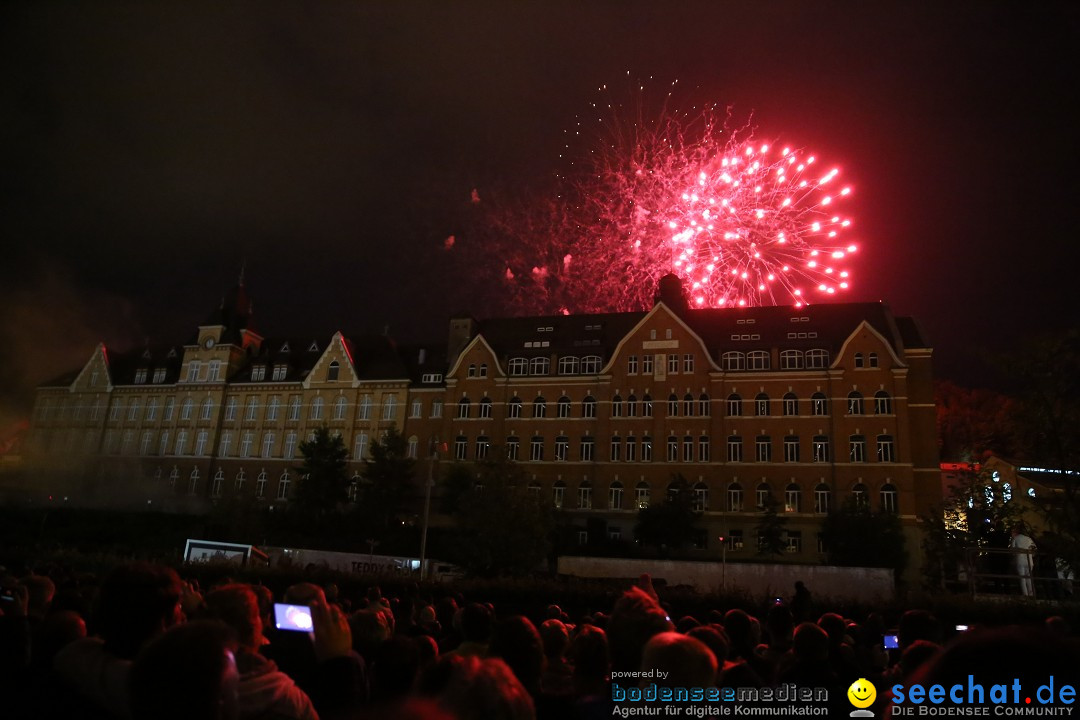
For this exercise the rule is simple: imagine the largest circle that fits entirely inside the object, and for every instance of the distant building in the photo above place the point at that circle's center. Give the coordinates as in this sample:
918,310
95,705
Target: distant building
812,406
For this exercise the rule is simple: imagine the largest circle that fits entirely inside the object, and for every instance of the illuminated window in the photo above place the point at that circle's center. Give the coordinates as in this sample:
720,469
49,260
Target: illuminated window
792,498
641,495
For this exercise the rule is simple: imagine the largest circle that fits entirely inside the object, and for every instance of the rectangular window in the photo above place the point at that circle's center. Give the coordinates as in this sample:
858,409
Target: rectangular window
245,445
615,497
536,449
631,448
415,409
704,449
151,409
214,372
821,501
688,449
226,444
200,443
857,450
279,372
886,449
562,448
290,445
252,408
735,540
763,446
461,448
673,364
631,365
230,409
170,405
272,408
193,371
672,448
584,501
588,447
436,408
647,364
688,363
791,448
791,499
294,407
513,446
821,448
793,541
734,449
646,449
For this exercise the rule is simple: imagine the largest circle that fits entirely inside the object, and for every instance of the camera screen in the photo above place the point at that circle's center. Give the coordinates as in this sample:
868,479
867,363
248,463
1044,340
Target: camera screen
890,642
293,617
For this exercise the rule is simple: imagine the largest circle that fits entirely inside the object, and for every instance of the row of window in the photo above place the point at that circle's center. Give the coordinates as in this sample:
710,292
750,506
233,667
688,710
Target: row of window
734,360
763,495
568,365
733,539
218,482
679,449
688,406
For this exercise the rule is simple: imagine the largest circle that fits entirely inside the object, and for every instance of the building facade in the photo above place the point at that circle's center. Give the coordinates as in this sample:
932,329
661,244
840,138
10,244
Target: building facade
606,413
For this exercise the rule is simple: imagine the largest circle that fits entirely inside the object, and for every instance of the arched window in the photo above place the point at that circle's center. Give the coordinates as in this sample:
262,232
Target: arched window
703,405
483,370
463,408
472,370
688,405
758,360
616,406
791,359
646,406
790,404
817,359
365,408
185,409
514,408
872,360
332,371
558,494
763,495
701,497
673,405
733,360
588,407
615,496
339,408
584,495
562,409
562,448
540,366
858,360
485,408
207,408
858,494
389,408
568,365
822,499
792,498
193,481
889,498
735,497
761,404
734,405
882,403
631,406
539,407
855,403
268,444
641,495
819,404
283,486
317,408
519,366
590,365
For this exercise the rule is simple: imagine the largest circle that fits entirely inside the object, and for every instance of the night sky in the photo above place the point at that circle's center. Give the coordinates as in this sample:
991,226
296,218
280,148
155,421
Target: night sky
148,149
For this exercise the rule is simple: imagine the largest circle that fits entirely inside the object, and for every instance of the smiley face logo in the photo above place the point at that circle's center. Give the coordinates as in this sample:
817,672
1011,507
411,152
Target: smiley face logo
862,693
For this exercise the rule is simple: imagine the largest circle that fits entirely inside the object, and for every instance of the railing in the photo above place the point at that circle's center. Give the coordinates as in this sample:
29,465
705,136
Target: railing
999,571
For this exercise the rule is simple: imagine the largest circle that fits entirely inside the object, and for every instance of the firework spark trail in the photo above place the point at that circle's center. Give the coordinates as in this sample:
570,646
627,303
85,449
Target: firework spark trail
741,222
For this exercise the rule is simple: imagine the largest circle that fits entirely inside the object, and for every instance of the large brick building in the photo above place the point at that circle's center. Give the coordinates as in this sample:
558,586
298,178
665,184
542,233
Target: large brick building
811,406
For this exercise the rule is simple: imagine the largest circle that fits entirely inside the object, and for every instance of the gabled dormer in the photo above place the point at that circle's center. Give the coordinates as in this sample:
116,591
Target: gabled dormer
95,375
335,367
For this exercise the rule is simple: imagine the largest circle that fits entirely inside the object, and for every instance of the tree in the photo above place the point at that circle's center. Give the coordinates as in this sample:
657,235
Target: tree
974,423
976,515
855,536
324,474
670,525
388,478
503,528
771,530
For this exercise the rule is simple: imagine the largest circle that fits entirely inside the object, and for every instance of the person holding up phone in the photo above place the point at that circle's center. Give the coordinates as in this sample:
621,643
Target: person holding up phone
264,690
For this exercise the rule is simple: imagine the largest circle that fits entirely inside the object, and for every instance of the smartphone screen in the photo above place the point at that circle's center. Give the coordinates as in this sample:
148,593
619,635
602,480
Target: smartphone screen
961,628
890,642
293,617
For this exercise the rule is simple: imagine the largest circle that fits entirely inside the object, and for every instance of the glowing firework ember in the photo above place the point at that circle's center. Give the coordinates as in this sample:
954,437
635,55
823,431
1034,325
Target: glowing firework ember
741,222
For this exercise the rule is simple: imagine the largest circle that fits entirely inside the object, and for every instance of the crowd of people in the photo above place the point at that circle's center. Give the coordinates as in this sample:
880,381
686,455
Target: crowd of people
143,643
